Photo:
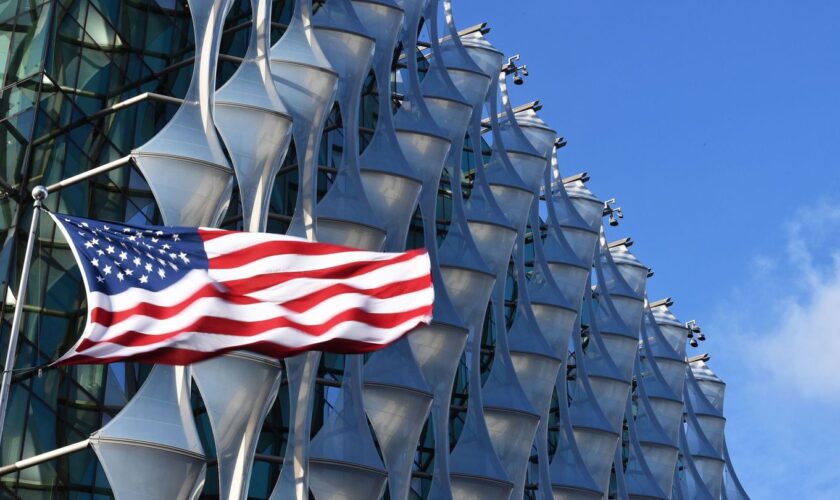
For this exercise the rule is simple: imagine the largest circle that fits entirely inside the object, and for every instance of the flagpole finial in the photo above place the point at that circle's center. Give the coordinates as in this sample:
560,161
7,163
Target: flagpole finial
40,193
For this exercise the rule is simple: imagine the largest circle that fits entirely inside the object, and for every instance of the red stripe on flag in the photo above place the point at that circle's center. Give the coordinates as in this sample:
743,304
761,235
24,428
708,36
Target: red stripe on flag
386,291
212,234
302,304
238,328
271,248
111,318
256,283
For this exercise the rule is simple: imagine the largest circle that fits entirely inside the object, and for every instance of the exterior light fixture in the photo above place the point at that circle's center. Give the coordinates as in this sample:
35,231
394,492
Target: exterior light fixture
692,327
612,212
517,71
694,334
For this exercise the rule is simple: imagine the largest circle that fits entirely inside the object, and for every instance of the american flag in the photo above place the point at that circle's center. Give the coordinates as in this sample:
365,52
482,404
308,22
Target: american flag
178,295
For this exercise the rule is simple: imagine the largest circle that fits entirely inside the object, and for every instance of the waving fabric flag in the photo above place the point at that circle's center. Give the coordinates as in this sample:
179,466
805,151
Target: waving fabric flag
177,295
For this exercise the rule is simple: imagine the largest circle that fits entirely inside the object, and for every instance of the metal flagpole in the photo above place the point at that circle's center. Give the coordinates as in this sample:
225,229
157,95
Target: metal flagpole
39,193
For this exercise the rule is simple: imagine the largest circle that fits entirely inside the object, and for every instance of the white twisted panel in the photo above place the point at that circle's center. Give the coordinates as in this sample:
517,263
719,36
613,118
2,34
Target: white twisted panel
307,84
154,435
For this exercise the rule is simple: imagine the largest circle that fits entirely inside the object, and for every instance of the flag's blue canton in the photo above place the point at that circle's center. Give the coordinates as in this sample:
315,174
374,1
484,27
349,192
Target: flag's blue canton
116,257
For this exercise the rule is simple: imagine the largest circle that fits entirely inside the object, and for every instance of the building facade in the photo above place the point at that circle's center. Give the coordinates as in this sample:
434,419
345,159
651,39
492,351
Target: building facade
546,371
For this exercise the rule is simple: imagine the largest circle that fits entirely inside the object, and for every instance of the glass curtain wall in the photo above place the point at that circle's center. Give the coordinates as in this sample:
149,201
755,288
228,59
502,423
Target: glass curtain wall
67,68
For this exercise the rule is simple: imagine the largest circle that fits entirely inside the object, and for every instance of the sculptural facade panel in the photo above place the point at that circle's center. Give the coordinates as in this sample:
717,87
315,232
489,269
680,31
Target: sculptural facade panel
543,350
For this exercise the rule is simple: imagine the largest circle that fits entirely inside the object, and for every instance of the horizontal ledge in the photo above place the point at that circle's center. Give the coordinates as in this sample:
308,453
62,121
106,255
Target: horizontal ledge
667,302
623,242
148,444
535,105
700,357
346,464
582,177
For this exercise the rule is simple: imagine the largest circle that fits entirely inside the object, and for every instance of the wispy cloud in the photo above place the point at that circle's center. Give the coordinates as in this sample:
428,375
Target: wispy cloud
779,346
800,345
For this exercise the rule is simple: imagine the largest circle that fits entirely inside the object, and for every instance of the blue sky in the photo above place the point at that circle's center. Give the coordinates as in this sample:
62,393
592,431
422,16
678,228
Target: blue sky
716,124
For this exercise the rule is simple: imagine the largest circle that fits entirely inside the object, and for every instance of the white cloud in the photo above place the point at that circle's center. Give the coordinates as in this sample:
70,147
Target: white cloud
776,339
800,338
803,350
